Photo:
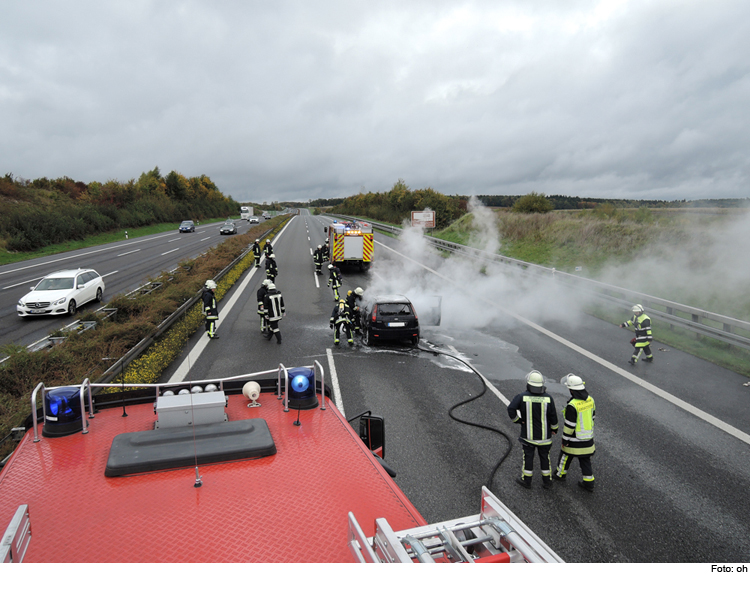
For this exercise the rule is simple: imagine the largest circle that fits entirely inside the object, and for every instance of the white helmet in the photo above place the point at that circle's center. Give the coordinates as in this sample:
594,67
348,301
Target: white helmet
257,240
271,256
271,286
320,246
210,284
535,378
573,382
266,282
330,266
326,240
637,309
359,291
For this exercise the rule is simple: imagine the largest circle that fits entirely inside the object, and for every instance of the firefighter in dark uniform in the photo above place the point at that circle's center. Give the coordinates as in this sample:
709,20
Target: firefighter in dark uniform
535,411
341,321
268,248
326,251
273,305
353,298
642,341
334,280
272,269
318,258
578,432
261,295
256,253
210,308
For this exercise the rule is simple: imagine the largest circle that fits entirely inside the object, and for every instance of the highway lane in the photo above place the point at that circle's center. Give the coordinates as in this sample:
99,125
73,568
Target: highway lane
671,486
125,265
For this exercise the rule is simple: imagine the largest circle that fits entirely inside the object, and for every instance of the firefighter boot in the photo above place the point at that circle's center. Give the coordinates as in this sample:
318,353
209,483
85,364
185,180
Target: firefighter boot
524,482
587,485
547,481
278,338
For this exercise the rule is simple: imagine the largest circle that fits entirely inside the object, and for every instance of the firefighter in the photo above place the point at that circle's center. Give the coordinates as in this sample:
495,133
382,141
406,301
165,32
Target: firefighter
261,295
340,320
272,269
273,306
326,251
535,411
256,253
578,432
210,308
642,341
268,248
353,298
318,258
334,280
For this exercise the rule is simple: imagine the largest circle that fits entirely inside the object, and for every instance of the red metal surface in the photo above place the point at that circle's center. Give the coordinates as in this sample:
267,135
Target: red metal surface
289,507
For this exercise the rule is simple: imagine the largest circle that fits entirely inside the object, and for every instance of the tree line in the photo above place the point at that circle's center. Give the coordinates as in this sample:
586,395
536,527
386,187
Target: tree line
40,212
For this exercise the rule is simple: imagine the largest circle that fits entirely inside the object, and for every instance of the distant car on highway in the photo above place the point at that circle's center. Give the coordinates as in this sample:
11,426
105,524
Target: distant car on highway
187,226
389,317
254,220
228,228
62,292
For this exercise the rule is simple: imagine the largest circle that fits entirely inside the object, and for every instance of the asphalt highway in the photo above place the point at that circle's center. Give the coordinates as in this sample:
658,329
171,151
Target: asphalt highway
672,465
124,265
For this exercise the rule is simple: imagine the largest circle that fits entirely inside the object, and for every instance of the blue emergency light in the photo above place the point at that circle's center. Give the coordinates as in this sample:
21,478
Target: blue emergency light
62,412
302,388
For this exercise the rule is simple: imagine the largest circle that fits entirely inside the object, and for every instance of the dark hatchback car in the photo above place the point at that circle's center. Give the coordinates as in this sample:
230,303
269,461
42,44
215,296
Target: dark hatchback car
389,317
187,226
228,228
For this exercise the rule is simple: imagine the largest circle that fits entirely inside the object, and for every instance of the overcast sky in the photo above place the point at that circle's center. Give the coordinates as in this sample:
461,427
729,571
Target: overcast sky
299,100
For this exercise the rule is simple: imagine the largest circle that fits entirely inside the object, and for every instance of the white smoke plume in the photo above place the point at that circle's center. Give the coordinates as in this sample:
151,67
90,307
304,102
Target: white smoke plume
474,293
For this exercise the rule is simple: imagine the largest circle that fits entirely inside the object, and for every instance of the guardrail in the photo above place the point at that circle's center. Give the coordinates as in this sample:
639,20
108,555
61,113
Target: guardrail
701,322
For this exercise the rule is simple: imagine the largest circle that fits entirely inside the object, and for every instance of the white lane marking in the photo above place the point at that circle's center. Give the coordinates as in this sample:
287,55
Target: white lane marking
181,372
174,239
122,254
22,283
335,383
73,256
108,274
494,390
317,283
718,423
173,250
206,238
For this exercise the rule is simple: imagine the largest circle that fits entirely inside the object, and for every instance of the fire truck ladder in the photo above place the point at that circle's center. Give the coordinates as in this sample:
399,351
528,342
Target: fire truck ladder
494,535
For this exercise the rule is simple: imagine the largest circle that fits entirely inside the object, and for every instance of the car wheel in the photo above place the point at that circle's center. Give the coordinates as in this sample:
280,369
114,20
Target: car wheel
367,337
415,341
99,295
72,307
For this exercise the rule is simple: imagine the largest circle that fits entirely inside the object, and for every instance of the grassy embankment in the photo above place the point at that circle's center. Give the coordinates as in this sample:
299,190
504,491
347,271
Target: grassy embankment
663,253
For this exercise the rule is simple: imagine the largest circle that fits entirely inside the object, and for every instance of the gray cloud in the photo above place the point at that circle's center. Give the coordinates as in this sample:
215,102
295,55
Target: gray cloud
318,99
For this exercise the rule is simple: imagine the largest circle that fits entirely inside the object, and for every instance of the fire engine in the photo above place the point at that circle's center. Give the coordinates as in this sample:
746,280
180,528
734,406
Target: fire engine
351,243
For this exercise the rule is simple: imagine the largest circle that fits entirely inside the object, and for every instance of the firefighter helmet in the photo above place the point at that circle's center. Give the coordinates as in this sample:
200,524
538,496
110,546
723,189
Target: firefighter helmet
359,291
257,240
573,382
271,256
210,284
637,309
271,286
326,240
266,282
330,266
535,378
320,246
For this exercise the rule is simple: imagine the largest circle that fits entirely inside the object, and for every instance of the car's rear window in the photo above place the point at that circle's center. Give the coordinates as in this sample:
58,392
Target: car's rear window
394,309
